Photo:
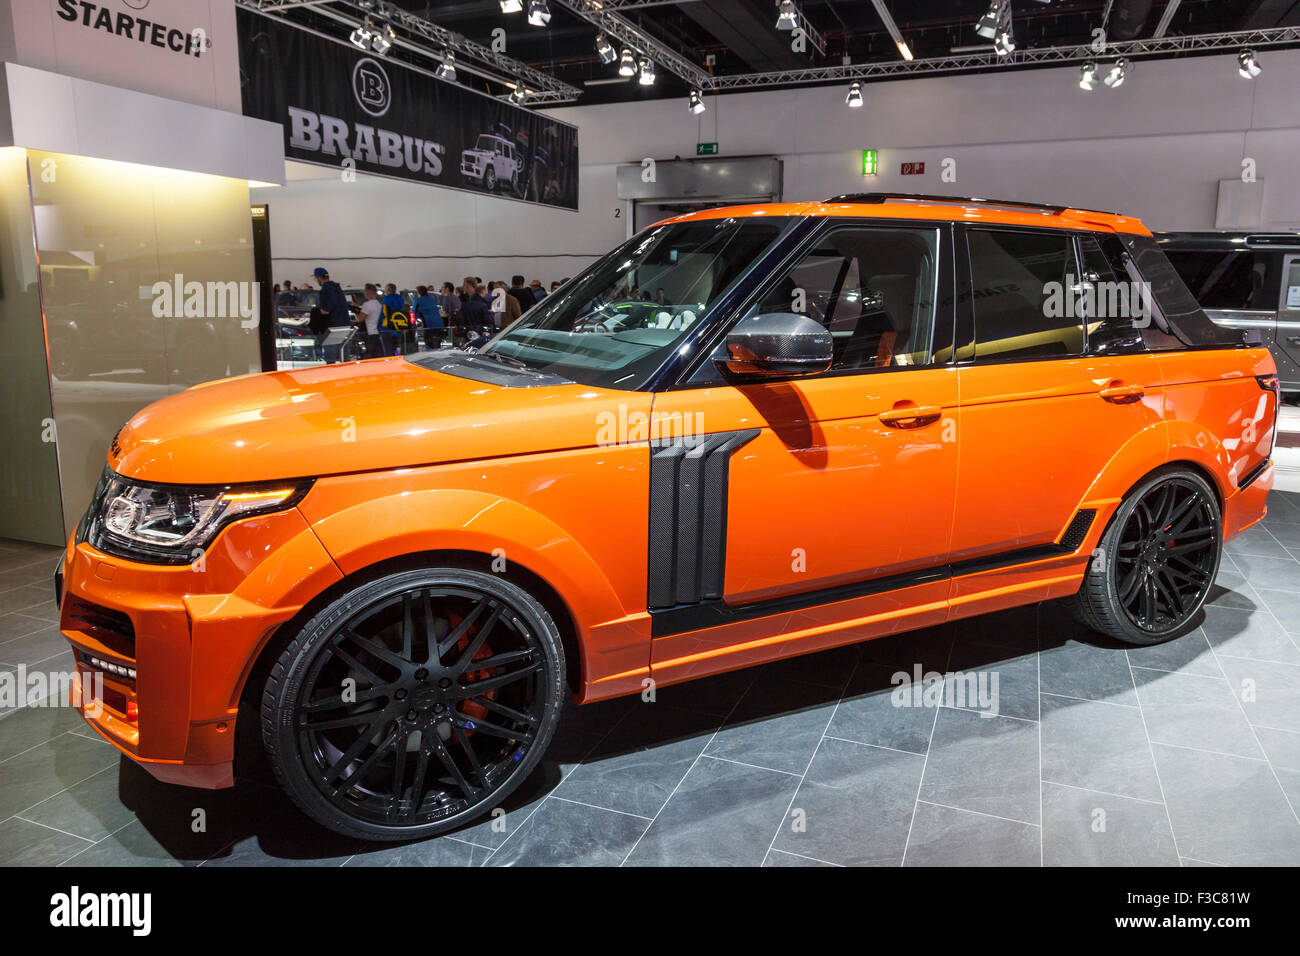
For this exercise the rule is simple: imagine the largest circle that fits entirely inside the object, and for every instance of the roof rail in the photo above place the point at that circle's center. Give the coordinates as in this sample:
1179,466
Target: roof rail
955,201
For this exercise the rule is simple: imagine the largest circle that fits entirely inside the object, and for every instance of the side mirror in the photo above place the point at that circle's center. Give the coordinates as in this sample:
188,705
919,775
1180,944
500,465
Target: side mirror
777,343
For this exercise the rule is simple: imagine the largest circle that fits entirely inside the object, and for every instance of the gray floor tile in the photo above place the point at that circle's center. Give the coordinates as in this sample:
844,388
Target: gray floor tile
992,678
561,833
1189,654
635,767
1269,693
1099,747
776,725
26,727
1290,781
18,625
1282,574
723,814
854,806
24,598
1198,712
1281,747
781,858
1081,828
1231,590
1256,541
442,851
986,764
91,809
39,773
1250,634
943,836
1285,606
39,647
1092,671
873,713
27,844
1227,809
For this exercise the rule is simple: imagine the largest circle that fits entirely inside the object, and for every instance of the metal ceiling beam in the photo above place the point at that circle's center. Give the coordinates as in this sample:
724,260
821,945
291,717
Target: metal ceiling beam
1163,26
627,33
1150,47
888,20
542,88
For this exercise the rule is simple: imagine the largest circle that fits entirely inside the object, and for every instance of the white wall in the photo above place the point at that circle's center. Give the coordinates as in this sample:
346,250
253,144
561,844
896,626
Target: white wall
1157,148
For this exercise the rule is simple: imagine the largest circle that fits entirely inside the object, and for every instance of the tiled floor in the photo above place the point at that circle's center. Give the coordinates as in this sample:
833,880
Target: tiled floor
1098,754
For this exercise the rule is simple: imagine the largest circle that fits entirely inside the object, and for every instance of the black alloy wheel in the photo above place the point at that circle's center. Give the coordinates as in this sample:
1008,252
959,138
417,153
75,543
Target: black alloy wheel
414,703
1157,561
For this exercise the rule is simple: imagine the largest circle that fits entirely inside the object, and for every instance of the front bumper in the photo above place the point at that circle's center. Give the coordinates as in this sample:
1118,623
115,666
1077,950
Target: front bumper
174,645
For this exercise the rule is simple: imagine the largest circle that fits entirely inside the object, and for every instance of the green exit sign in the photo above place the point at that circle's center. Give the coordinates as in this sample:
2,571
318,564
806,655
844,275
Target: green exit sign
706,149
869,164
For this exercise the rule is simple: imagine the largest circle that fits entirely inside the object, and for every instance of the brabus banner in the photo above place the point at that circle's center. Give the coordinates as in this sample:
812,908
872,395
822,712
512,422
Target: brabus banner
337,102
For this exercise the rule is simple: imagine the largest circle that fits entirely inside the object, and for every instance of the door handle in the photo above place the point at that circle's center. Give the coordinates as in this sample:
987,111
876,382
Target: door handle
911,416
1121,394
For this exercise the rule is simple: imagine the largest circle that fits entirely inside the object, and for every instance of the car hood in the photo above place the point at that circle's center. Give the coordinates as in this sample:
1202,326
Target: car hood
357,416
476,153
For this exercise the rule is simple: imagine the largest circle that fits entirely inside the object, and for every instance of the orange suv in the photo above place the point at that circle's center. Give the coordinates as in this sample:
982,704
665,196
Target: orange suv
745,434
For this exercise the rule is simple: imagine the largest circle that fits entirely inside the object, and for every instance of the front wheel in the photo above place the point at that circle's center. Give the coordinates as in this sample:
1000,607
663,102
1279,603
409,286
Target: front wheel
1154,566
414,703
490,180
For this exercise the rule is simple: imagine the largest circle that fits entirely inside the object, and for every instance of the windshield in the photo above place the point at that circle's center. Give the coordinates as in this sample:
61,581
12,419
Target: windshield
620,319
486,143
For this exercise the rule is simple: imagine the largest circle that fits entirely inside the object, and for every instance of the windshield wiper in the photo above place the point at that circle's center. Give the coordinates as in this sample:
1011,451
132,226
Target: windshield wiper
503,359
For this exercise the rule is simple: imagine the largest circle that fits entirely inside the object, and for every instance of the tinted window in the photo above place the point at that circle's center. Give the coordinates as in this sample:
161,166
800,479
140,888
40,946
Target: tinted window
1175,306
1019,285
872,288
1222,279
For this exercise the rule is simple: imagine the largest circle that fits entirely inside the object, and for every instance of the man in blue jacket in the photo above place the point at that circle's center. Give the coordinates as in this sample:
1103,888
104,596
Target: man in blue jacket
334,304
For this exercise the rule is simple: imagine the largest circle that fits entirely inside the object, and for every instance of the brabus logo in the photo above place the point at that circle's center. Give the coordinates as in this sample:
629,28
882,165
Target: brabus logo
370,86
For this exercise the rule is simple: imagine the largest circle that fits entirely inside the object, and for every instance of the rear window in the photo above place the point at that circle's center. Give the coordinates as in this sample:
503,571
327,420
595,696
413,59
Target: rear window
1222,279
1173,299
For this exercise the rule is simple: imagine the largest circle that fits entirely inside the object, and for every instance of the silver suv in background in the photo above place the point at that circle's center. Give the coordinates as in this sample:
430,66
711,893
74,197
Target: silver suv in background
1246,280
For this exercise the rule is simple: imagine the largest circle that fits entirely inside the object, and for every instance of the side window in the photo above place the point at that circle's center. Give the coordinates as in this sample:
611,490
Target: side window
1291,293
1228,279
873,288
1111,304
1020,286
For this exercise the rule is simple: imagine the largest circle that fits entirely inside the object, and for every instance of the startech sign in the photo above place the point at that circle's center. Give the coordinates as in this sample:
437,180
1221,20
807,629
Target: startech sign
94,16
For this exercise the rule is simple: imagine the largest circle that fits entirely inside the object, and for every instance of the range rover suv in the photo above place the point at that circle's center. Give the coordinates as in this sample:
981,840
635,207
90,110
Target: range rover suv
745,434
1246,280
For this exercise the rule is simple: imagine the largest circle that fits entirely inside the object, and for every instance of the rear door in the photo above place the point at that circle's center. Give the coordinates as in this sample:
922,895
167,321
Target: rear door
1288,323
1050,390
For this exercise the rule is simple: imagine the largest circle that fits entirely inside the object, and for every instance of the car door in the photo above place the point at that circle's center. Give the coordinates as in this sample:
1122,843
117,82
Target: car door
818,500
1287,352
1050,391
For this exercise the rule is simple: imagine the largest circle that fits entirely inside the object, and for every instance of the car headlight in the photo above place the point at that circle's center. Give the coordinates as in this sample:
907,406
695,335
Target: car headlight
173,524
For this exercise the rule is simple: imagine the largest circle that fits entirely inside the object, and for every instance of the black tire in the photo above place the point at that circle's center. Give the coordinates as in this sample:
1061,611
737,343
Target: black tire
490,179
1154,566
375,767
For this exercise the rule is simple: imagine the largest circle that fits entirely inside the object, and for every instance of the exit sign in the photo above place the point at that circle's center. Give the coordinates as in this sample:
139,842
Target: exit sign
706,149
913,169
869,162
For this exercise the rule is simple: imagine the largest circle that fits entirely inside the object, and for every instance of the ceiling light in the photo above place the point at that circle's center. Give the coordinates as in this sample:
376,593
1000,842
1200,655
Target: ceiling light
539,13
447,70
1247,65
518,95
384,39
787,16
697,103
647,66
362,35
605,50
1088,76
627,63
512,6
987,25
1115,76
1004,43
904,50
854,99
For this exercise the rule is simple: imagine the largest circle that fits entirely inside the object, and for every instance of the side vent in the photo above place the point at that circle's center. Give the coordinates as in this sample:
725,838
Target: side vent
1078,530
688,518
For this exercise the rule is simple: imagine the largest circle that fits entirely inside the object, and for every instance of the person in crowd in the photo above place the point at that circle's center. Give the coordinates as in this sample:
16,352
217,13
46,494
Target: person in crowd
451,305
392,300
538,292
393,307
555,285
510,308
371,311
467,287
428,309
478,311
521,293
334,304
284,294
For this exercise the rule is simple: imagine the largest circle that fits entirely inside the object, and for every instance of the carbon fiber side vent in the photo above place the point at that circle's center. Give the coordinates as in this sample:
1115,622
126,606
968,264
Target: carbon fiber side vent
688,518
1078,530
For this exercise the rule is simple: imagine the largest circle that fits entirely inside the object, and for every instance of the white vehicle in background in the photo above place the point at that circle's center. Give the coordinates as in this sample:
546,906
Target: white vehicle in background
493,160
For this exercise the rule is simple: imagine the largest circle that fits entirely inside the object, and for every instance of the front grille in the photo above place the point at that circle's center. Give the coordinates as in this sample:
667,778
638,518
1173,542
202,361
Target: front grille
111,628
1078,530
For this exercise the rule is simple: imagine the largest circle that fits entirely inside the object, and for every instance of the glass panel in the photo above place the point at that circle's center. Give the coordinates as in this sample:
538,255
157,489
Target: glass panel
148,285
1019,285
1221,279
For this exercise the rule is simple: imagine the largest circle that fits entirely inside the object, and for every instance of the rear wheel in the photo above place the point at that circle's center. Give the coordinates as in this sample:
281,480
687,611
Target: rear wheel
1155,564
414,703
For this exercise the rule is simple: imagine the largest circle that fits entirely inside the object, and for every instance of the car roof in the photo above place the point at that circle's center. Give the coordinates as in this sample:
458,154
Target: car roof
938,208
1229,239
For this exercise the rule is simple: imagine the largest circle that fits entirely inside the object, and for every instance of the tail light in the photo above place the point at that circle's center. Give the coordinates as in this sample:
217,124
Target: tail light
1270,383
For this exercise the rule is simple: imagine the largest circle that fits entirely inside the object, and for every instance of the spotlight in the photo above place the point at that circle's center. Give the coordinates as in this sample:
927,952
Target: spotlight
787,15
854,99
605,50
987,25
363,35
512,6
1247,65
1088,76
627,63
539,13
647,67
384,39
518,94
1004,43
697,103
1115,76
447,70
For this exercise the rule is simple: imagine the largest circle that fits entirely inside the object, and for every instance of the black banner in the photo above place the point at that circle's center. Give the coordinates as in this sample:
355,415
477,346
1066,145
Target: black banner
337,102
